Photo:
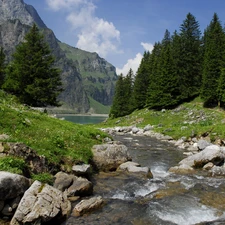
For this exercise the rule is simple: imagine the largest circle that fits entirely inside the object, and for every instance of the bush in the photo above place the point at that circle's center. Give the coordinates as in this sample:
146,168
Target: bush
12,164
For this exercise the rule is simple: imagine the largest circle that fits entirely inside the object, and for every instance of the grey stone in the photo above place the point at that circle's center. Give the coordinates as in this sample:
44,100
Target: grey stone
81,170
135,130
148,128
202,144
107,157
62,181
80,187
217,171
41,203
135,168
12,185
212,153
87,206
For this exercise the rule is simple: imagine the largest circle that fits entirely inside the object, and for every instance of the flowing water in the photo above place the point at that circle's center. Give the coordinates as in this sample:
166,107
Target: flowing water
167,199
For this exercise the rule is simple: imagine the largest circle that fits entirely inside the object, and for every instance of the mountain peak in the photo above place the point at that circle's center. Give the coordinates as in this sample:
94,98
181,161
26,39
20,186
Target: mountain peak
13,10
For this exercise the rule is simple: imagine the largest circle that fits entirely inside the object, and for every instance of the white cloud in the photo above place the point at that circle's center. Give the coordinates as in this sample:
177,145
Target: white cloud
147,46
94,34
131,64
134,63
57,5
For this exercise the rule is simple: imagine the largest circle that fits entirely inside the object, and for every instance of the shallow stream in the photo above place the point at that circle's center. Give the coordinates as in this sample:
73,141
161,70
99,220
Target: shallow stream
167,199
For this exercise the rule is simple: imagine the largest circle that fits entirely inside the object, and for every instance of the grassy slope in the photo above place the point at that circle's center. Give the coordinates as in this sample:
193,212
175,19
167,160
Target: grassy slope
188,120
59,141
98,107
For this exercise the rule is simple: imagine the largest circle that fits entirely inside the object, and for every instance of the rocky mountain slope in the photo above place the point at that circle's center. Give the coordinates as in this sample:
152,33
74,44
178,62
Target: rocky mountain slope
99,76
16,18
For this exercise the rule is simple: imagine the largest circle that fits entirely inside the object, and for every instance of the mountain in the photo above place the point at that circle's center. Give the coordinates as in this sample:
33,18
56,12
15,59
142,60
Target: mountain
98,75
87,79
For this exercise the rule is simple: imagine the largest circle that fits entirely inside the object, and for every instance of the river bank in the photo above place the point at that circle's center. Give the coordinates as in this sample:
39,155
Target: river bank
166,199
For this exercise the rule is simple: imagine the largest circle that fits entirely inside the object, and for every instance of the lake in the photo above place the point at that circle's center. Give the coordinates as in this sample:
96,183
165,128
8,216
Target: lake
83,119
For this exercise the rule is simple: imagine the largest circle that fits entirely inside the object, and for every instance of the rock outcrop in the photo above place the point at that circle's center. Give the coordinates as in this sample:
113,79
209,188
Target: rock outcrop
41,203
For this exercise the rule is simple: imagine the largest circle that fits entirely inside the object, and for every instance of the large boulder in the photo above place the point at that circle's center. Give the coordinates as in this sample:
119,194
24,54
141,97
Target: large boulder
107,157
211,153
41,203
87,206
80,187
12,185
63,181
135,168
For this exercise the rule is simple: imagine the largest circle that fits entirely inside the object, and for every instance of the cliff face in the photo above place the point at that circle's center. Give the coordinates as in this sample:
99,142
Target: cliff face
98,77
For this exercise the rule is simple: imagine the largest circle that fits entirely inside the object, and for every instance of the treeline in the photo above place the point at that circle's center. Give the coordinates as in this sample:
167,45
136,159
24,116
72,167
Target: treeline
31,75
180,67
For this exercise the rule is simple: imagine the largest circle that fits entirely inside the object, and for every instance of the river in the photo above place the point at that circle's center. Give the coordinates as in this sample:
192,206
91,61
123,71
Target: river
167,199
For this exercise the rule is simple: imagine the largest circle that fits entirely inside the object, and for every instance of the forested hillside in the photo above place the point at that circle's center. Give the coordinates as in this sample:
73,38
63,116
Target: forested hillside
182,66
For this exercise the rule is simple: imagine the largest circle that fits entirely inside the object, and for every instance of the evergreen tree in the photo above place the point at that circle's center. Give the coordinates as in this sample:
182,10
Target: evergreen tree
214,46
141,82
177,65
31,75
154,92
169,78
221,88
190,57
128,85
163,88
118,99
2,66
123,101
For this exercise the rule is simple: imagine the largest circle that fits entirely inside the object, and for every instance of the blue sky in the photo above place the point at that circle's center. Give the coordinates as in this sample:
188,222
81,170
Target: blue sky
121,30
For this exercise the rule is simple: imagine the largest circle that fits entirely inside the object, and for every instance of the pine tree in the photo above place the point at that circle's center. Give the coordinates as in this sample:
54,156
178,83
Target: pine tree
31,75
2,66
190,57
128,84
214,46
118,99
141,82
163,88
169,84
123,98
221,88
154,92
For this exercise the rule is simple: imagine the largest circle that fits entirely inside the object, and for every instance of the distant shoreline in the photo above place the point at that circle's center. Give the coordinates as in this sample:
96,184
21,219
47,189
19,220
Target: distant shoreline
74,114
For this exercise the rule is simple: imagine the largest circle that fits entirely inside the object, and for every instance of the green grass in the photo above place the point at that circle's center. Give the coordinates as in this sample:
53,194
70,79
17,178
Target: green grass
188,120
43,177
98,107
12,164
61,142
